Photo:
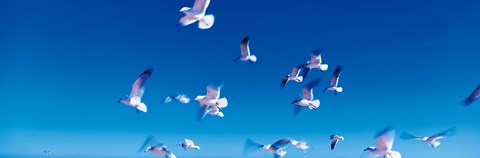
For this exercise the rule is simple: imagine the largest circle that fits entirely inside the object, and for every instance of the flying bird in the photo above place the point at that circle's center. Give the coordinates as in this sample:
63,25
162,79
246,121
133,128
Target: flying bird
151,145
138,87
385,140
307,98
211,103
47,153
315,62
245,51
187,143
334,81
473,96
295,75
432,141
277,148
334,140
197,13
182,98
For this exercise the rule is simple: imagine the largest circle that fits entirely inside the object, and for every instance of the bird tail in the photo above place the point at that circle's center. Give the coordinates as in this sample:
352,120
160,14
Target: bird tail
222,102
435,144
253,58
407,136
142,107
394,154
323,67
206,22
184,9
250,146
315,103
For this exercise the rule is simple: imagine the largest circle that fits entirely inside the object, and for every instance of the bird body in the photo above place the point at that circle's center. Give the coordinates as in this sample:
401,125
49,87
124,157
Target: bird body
333,86
211,103
307,97
277,148
150,145
294,76
385,140
182,98
245,51
138,88
432,141
334,140
197,13
187,143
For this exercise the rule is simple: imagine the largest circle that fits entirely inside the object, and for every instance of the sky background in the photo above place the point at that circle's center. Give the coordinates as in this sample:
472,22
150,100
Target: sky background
64,64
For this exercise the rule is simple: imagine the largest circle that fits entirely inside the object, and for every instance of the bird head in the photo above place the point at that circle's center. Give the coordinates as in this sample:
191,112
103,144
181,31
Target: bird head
200,97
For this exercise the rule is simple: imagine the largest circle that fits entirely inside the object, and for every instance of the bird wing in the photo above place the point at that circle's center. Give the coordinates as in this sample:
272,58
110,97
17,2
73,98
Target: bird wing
295,71
139,85
202,112
244,47
250,146
150,141
408,136
473,96
213,90
333,143
188,142
335,77
307,90
305,71
201,5
281,143
385,138
315,55
447,133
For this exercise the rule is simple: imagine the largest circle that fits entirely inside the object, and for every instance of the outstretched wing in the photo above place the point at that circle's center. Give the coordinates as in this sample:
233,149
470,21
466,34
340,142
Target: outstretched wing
150,141
202,112
213,90
335,77
307,90
201,5
315,55
447,133
408,136
250,146
385,138
244,47
139,85
281,143
472,97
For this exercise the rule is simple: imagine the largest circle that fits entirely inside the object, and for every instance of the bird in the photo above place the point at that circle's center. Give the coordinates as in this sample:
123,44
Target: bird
197,13
315,62
307,97
47,153
432,141
472,97
187,143
151,145
385,140
138,87
211,103
277,148
182,98
334,81
295,75
334,140
245,51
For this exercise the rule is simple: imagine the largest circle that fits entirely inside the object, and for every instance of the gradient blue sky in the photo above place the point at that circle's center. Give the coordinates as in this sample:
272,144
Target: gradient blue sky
406,63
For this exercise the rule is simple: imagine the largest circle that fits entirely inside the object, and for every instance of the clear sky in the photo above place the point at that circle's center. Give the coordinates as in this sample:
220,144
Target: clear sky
407,63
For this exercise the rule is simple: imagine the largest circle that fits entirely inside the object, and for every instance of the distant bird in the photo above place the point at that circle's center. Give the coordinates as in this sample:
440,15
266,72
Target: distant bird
334,81
47,153
211,103
473,96
334,140
315,62
197,14
307,97
385,140
245,51
432,141
182,98
295,75
187,143
277,148
150,145
138,87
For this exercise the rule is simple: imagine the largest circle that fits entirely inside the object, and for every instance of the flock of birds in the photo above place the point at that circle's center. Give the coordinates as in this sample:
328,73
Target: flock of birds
212,104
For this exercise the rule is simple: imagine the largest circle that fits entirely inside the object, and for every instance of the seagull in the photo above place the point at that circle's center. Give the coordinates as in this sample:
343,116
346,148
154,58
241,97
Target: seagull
47,152
295,75
138,87
277,148
151,146
197,13
307,97
334,139
211,103
187,143
473,96
182,98
432,141
334,81
245,51
315,62
384,144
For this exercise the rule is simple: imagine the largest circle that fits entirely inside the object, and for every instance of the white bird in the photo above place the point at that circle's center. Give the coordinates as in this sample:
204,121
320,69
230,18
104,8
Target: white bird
432,141
211,103
138,87
277,148
385,140
197,13
245,51
307,98
472,97
315,62
334,81
182,98
150,145
334,140
187,143
295,75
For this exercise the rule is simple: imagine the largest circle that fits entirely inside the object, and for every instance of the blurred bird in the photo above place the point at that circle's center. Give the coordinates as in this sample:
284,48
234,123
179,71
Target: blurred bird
432,141
187,143
295,75
138,87
47,153
197,14
473,96
307,98
334,81
182,98
151,145
245,51
334,140
277,148
315,62
385,140
211,103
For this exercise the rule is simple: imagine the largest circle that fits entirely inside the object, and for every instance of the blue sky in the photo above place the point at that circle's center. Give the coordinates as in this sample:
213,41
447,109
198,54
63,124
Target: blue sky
406,63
